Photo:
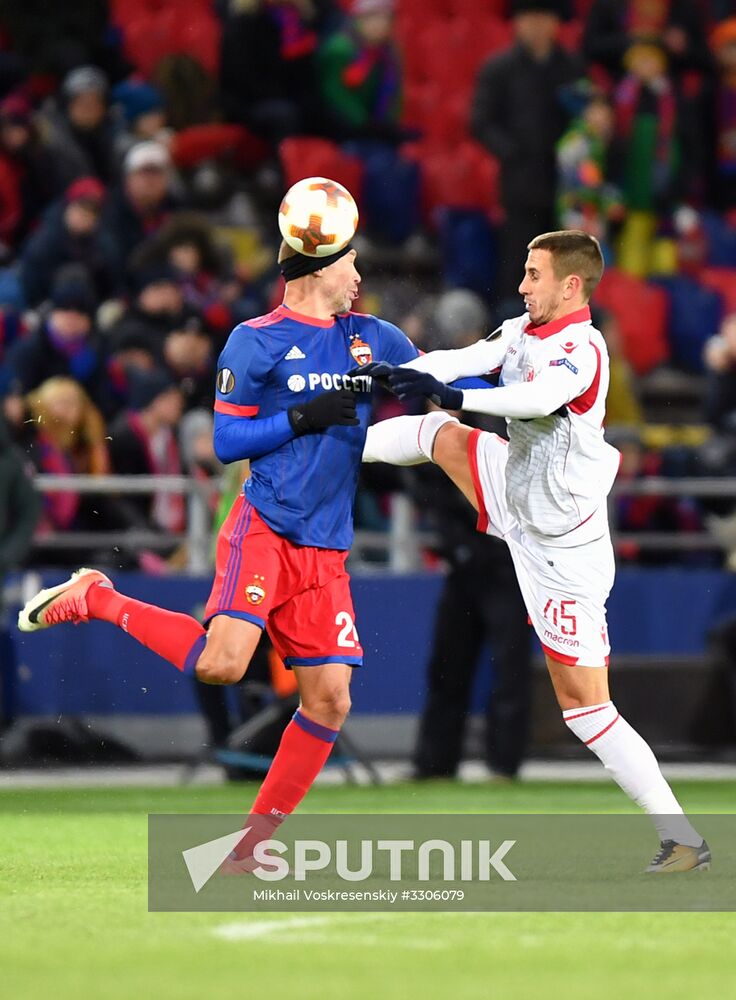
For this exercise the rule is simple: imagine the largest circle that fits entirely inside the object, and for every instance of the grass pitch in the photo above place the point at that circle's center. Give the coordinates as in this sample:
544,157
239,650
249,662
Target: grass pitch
74,923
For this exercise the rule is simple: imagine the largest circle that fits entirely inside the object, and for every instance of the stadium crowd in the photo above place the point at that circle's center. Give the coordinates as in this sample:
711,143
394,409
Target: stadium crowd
143,156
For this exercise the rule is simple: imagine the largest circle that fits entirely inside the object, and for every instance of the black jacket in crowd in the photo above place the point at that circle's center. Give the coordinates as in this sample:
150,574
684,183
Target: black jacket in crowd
518,115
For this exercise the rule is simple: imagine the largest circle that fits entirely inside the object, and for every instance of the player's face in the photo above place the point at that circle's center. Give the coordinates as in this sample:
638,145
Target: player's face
543,292
340,284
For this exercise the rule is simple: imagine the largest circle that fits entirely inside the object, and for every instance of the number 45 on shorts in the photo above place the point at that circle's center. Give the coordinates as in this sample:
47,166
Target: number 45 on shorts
561,615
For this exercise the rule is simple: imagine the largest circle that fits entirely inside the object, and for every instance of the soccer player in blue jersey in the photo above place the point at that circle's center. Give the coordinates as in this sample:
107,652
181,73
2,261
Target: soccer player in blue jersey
285,401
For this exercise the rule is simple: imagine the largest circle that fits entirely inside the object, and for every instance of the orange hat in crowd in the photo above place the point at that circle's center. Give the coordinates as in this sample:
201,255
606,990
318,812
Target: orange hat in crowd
724,33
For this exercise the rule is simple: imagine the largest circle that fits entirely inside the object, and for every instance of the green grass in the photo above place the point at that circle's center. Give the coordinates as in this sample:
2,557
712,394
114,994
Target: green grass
74,923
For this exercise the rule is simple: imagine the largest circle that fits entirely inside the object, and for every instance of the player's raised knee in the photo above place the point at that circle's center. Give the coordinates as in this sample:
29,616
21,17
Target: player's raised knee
221,666
329,708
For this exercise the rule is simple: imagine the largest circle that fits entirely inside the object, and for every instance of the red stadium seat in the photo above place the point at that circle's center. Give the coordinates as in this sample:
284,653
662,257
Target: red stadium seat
305,156
148,38
642,312
723,281
463,177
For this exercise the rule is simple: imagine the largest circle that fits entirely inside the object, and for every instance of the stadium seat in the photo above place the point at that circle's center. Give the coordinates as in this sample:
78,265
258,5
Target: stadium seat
463,177
390,202
723,281
641,310
695,314
468,247
148,39
721,239
307,156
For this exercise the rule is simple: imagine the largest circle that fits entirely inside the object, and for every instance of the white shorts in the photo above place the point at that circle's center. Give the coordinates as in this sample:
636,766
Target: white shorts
565,589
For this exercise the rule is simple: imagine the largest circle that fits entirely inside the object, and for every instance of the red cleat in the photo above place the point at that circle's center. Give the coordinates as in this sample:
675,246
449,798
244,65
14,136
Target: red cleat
66,602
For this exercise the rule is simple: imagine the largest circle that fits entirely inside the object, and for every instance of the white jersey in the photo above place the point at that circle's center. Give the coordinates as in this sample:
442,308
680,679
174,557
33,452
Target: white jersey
552,390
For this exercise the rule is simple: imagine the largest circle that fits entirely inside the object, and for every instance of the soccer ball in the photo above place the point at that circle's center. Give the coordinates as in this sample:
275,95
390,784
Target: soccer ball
318,216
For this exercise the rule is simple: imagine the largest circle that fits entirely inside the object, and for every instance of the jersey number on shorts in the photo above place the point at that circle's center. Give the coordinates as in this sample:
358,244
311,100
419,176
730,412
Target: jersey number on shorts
348,635
560,616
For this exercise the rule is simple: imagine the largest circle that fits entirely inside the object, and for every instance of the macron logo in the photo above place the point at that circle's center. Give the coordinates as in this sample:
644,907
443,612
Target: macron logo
295,354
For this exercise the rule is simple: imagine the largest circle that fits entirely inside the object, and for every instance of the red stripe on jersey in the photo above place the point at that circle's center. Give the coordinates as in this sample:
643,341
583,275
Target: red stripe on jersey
556,325
569,661
601,733
286,312
587,399
483,521
234,409
268,320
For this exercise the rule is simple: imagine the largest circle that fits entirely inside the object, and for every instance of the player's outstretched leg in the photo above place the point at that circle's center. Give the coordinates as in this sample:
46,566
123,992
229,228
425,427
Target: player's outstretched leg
405,440
89,594
588,712
304,748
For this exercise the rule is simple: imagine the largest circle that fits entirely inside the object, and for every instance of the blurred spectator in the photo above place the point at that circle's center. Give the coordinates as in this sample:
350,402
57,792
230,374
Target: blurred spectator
26,171
190,358
458,319
723,112
196,445
65,343
157,309
650,513
71,234
720,364
79,129
142,442
144,113
612,26
480,603
268,65
20,506
360,75
518,116
144,202
587,198
649,123
623,407
54,38
67,435
187,244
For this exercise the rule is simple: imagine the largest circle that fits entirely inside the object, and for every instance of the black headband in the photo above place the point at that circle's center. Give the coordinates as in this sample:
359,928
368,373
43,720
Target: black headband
300,264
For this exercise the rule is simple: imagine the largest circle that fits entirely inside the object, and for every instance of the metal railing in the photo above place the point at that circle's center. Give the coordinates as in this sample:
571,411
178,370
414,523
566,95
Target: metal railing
400,547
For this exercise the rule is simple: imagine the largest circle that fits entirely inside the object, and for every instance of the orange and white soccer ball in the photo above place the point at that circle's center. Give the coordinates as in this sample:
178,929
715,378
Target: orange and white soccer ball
318,216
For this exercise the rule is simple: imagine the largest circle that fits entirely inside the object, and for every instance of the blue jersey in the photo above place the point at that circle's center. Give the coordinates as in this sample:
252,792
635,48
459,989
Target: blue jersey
305,489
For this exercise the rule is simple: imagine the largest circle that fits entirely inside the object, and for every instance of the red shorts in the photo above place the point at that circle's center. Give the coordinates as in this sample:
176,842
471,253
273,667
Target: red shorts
299,593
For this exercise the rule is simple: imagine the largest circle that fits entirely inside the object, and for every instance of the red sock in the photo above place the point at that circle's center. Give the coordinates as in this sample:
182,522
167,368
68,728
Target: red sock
178,638
304,748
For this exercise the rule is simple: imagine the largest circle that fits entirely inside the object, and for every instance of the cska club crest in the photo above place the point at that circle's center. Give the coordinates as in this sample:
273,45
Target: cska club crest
254,592
361,351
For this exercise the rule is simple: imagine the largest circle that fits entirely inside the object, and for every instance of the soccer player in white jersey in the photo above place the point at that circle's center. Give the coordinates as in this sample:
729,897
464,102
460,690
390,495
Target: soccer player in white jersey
544,493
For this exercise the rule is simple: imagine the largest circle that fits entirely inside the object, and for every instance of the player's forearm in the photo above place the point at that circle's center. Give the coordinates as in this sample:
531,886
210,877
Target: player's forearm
478,359
237,438
524,401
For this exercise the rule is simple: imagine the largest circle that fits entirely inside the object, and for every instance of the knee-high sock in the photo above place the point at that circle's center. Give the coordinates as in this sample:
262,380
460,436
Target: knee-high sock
303,750
633,766
404,440
178,638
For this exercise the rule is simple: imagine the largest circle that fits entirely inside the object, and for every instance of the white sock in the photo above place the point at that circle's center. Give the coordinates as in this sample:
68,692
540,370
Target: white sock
633,766
404,440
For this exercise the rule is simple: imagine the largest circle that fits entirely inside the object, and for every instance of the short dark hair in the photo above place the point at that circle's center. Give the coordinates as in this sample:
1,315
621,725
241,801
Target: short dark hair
573,252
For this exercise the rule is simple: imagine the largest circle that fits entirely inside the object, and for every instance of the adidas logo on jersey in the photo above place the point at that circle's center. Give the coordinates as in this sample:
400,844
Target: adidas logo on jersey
294,354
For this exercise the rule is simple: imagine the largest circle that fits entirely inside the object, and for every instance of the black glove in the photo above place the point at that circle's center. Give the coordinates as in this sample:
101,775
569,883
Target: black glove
378,370
409,384
329,409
